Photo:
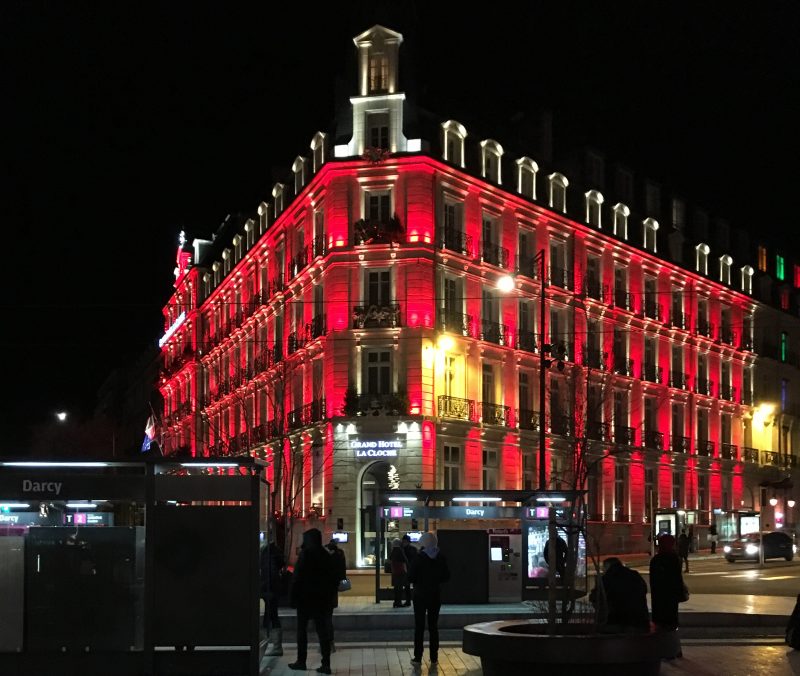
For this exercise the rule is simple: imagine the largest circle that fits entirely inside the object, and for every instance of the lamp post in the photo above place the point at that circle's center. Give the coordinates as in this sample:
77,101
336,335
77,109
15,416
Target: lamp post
543,363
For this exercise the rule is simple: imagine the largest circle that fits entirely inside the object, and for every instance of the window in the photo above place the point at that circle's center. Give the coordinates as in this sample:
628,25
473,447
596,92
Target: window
557,197
263,218
678,213
595,170
784,299
702,492
491,152
621,213
624,185
701,258
489,470
377,288
784,346
747,279
725,263
779,268
226,261
527,471
652,198
277,197
319,233
526,177
249,229
594,202
620,482
649,236
378,73
762,258
488,389
299,171
378,372
378,206
378,130
452,468
318,151
453,142
237,248
677,485
649,488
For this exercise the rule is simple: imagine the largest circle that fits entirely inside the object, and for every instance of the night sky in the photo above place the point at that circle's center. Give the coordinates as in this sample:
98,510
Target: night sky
124,123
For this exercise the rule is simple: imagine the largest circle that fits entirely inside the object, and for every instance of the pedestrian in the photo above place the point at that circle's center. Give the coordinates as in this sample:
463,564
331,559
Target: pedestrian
712,537
399,568
410,551
428,573
272,565
562,552
684,544
312,594
340,568
625,597
666,586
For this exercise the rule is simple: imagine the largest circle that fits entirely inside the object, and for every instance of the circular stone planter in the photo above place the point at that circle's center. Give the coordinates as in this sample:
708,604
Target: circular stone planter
518,647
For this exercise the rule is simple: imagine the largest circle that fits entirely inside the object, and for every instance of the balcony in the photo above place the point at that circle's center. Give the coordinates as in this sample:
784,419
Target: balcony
528,266
623,300
729,451
457,241
705,328
790,461
528,419
277,284
652,373
376,316
679,444
705,448
561,424
561,277
319,247
378,231
594,289
678,379
317,327
727,392
456,322
598,430
296,341
454,407
494,414
624,435
746,343
654,440
267,358
704,386
526,340
495,255
747,397
749,454
299,261
623,366
594,358
307,415
394,403
493,332
651,309
727,335
678,320
771,458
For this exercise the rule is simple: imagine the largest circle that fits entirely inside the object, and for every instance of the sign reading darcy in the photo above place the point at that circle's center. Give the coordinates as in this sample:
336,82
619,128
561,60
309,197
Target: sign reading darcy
376,448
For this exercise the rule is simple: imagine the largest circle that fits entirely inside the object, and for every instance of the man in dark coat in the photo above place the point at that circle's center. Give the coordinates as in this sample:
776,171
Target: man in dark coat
411,552
427,573
272,563
312,594
340,568
626,596
666,585
684,545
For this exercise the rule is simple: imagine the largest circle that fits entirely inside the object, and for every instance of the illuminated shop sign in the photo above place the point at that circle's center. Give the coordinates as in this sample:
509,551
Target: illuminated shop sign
376,448
172,329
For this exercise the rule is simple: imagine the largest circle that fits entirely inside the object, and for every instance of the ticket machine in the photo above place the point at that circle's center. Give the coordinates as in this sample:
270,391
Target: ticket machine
505,564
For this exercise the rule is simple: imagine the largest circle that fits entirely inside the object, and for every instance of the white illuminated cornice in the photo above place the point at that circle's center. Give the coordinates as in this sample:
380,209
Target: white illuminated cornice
171,330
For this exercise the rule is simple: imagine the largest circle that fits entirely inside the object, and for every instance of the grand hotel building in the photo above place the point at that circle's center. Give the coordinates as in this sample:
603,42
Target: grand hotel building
358,321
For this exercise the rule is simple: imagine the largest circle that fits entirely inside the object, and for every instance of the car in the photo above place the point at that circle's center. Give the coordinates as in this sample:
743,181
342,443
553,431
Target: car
777,545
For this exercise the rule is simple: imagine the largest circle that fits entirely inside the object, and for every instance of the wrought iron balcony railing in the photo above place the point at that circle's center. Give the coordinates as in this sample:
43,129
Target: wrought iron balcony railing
455,407
729,451
704,386
749,454
678,319
493,332
678,379
679,444
594,358
592,288
561,277
624,435
495,255
705,448
317,327
307,414
623,366
705,328
652,310
378,231
528,419
528,266
456,322
393,403
652,373
654,440
598,430
727,335
494,414
456,240
623,300
771,458
746,343
299,261
320,248
561,424
526,340
376,316
727,392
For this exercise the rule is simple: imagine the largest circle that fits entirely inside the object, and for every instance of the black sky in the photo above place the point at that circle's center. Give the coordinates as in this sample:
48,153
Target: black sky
125,123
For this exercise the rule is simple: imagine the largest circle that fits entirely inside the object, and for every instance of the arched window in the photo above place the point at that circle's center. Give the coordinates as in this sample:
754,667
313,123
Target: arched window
299,171
747,279
526,177
318,150
701,252
621,213
557,192
453,135
277,197
725,263
263,217
594,203
650,227
491,152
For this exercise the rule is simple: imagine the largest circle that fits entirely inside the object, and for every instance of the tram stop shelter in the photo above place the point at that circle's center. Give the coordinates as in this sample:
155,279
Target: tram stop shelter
495,541
131,568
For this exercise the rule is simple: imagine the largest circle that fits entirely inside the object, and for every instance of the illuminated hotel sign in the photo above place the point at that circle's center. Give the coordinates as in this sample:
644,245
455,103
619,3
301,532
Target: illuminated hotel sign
172,329
376,448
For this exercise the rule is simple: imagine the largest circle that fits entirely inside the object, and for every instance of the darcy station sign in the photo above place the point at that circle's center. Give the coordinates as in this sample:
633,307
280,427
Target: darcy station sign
376,448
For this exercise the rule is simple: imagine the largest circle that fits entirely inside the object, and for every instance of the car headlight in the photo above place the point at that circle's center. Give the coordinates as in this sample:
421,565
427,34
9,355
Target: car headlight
751,549
727,549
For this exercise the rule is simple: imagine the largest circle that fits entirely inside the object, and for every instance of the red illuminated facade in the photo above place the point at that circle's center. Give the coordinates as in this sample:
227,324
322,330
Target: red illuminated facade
357,321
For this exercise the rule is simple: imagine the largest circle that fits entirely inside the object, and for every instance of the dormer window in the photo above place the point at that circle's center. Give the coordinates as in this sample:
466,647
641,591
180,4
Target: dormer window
526,177
701,258
378,130
263,217
621,213
318,151
206,285
299,171
725,263
226,261
747,279
557,189
594,202
277,197
650,227
491,152
453,142
652,198
378,73
678,213
237,248
250,228
216,269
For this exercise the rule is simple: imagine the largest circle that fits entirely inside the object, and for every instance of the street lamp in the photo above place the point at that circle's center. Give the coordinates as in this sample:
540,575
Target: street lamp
61,416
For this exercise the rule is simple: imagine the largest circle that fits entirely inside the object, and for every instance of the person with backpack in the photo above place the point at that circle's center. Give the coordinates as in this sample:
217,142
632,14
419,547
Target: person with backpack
429,571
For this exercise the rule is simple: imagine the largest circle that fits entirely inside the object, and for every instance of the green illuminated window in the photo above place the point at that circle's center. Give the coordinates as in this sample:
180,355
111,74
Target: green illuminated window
779,272
784,345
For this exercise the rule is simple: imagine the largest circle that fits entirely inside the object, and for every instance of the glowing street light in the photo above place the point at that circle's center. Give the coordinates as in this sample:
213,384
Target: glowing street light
505,283
61,416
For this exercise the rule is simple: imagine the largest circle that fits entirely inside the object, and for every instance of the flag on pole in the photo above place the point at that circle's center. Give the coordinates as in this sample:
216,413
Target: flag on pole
149,433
